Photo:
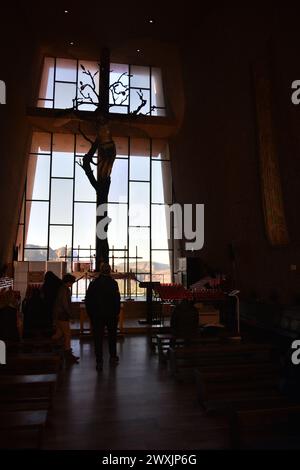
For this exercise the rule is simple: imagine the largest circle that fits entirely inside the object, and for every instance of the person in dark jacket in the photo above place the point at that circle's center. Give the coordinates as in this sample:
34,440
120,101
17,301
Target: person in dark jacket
50,289
103,307
184,321
33,307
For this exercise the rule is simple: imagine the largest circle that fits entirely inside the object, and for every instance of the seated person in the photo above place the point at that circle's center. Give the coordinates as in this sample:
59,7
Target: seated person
184,320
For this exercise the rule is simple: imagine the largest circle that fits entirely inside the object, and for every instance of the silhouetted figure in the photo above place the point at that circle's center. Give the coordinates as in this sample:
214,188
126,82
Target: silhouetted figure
33,308
103,307
62,315
184,321
50,289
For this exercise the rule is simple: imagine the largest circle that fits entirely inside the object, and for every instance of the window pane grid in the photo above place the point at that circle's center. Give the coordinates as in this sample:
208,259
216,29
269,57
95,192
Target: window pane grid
60,225
139,181
151,261
62,177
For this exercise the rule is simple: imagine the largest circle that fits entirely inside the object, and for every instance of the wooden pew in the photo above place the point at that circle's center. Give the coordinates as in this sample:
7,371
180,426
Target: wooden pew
35,385
27,392
165,341
184,360
11,422
248,394
25,398
263,423
49,363
250,397
152,336
33,379
25,405
251,367
43,345
222,389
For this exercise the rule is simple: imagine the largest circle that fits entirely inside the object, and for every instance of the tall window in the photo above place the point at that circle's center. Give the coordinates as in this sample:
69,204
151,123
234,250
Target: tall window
58,217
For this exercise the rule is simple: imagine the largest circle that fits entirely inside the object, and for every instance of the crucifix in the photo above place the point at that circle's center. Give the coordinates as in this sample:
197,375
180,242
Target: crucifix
103,143
106,149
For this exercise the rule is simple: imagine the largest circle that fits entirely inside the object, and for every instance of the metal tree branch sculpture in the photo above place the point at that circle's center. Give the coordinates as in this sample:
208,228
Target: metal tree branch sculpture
106,157
103,143
119,92
118,89
85,89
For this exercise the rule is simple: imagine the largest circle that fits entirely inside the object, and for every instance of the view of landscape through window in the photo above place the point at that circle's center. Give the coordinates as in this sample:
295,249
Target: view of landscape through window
58,219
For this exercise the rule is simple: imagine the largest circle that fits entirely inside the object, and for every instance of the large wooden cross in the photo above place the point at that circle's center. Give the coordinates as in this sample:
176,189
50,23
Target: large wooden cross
98,123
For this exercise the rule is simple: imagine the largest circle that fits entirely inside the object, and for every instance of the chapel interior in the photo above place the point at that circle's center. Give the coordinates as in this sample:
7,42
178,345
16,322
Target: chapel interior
201,110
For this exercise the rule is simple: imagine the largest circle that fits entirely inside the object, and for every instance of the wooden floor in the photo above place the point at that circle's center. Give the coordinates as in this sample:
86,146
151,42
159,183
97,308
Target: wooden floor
136,405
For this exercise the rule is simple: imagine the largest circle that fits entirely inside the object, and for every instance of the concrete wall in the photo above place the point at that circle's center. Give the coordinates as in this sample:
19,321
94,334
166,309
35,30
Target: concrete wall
215,155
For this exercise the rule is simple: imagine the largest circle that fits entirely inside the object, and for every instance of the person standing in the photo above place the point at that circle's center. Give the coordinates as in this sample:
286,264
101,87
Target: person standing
62,313
49,291
103,307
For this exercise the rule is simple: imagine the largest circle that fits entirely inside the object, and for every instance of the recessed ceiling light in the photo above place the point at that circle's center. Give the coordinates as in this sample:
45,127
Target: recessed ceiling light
151,21
138,50
66,11
71,43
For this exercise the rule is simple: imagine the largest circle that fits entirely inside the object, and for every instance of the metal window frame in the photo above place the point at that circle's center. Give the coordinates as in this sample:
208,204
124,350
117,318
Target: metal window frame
79,249
129,180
